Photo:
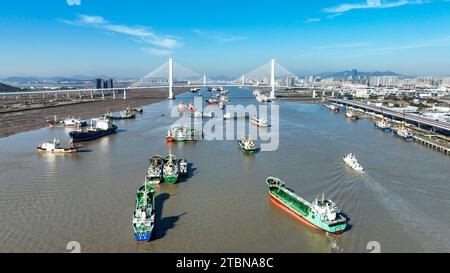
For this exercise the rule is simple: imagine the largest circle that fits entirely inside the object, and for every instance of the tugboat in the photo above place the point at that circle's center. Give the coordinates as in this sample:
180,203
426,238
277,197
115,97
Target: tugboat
103,127
143,221
321,214
170,170
183,166
262,122
383,125
246,144
353,163
155,171
403,133
55,147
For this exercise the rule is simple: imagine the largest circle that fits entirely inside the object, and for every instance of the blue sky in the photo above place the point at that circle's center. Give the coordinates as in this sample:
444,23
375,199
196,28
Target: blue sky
131,38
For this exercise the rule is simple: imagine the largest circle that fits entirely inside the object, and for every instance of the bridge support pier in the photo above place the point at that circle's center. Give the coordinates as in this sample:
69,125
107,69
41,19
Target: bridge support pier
114,95
171,97
103,95
204,80
92,94
272,79
124,94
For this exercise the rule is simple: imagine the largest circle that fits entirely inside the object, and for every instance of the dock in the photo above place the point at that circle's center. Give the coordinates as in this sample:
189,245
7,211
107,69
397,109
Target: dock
432,143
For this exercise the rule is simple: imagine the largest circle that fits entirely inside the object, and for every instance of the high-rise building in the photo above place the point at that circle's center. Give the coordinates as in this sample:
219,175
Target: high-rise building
111,83
99,83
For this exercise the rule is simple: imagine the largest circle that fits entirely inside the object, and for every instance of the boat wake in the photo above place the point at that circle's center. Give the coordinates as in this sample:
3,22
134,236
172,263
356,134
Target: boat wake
412,220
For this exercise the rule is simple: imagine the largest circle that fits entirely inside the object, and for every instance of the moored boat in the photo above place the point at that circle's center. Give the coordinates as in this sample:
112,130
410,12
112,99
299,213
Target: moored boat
73,122
212,101
351,115
383,125
143,221
155,171
170,169
260,122
99,128
403,133
263,98
183,167
321,214
56,147
246,144
353,163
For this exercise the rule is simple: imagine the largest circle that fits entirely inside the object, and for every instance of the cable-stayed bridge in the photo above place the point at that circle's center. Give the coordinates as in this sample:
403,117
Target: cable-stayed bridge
172,74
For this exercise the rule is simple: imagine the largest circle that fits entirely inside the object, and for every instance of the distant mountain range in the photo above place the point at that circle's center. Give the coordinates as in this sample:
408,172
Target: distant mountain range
82,78
33,79
7,88
345,74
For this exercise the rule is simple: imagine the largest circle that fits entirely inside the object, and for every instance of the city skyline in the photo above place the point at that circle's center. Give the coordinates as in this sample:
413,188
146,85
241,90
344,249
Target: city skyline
71,37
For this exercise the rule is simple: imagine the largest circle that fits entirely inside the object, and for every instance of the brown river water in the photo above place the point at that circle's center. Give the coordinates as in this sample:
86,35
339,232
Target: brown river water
402,202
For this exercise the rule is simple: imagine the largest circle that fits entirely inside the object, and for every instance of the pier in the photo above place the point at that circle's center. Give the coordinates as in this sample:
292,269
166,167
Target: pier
432,144
410,118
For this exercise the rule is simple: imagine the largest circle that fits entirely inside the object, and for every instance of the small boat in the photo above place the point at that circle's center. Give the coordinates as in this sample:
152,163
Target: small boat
195,90
198,114
138,110
124,114
155,171
353,163
256,93
73,122
403,133
181,107
351,115
170,136
383,125
182,134
246,144
183,167
170,169
263,98
143,221
321,214
262,122
212,101
224,98
99,128
191,108
55,147
224,92
53,122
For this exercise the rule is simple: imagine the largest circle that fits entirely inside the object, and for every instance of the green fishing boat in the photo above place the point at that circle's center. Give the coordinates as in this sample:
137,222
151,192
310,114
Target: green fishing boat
246,144
321,214
143,221
155,170
171,169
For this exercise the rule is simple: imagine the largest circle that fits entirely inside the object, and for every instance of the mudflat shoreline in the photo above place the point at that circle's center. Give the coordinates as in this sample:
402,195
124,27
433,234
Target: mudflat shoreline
22,121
